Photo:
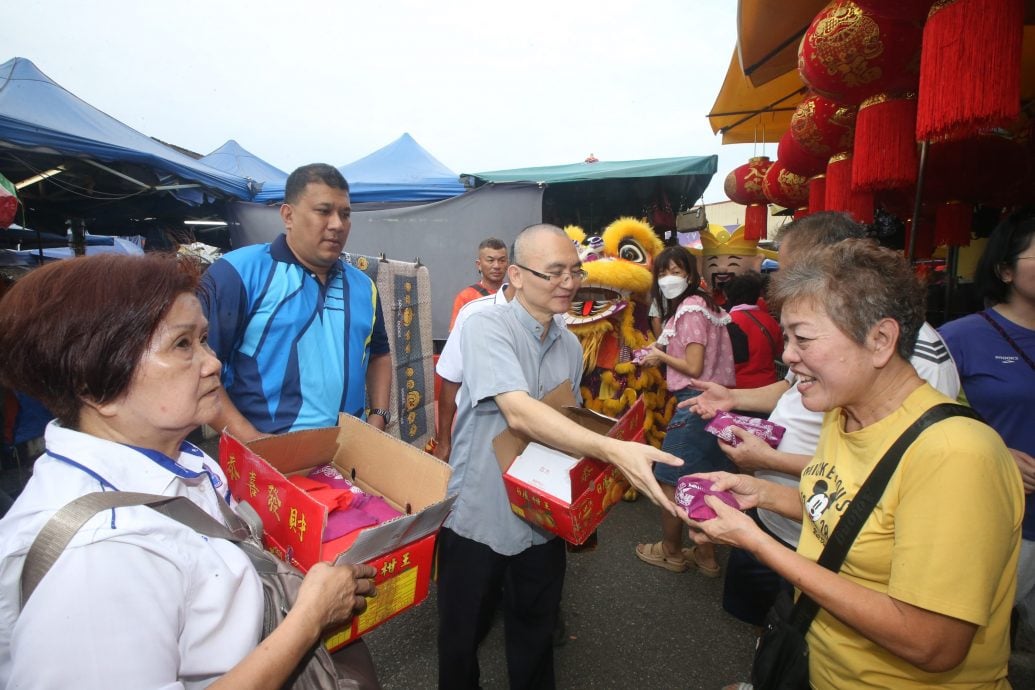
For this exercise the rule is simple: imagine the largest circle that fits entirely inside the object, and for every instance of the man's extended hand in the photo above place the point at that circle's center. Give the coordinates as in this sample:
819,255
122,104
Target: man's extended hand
635,461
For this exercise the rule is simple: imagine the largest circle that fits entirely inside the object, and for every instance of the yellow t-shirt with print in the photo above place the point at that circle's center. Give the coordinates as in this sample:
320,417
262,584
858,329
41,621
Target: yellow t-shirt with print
945,537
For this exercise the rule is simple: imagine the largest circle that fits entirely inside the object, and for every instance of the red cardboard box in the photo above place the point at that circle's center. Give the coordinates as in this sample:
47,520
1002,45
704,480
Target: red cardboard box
595,485
411,481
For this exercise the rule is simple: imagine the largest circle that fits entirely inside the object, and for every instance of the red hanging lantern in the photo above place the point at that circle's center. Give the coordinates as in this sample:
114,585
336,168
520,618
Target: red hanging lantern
849,53
817,193
970,68
822,127
884,155
839,195
796,159
744,185
784,188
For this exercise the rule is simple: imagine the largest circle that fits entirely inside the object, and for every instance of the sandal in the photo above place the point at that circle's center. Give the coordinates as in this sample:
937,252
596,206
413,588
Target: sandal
690,558
655,555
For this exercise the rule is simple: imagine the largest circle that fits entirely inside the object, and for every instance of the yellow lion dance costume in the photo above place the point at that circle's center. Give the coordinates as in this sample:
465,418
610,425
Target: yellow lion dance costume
609,314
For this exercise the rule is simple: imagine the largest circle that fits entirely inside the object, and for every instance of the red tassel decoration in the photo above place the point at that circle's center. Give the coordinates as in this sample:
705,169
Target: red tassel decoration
755,222
817,193
970,67
839,195
885,147
952,223
800,213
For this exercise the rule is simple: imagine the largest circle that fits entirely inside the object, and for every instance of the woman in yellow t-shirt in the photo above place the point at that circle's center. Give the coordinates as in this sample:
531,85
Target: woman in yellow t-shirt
923,598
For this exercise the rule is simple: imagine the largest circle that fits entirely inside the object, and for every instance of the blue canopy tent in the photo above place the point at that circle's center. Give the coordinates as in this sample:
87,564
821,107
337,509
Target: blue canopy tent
37,115
73,163
233,158
401,171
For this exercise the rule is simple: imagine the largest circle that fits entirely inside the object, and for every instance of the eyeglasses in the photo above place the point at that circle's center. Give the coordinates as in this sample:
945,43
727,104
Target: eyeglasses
559,278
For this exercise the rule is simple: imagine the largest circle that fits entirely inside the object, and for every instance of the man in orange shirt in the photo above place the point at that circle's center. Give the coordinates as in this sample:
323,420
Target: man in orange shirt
491,264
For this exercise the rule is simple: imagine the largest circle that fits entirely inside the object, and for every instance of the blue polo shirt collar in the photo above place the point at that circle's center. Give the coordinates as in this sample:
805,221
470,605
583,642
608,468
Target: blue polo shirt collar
280,251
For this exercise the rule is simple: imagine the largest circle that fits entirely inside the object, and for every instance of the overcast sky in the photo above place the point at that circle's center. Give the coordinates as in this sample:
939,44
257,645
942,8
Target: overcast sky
482,86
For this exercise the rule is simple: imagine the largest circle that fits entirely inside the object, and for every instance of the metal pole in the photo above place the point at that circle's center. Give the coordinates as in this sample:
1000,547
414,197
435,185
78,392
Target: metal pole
911,249
952,262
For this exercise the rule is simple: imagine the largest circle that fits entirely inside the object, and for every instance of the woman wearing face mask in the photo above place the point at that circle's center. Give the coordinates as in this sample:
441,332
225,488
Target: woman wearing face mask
696,345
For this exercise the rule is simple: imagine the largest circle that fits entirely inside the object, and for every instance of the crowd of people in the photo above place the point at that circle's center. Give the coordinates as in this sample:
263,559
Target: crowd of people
137,352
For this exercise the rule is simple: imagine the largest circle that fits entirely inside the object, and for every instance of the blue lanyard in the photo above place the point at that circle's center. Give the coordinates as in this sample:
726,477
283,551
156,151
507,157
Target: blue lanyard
161,459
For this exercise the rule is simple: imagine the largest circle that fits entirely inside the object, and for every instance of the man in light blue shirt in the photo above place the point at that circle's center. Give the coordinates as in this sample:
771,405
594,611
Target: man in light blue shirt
514,354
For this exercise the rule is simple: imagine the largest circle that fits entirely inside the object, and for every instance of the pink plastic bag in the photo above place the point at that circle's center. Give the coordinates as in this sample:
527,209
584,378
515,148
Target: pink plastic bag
690,493
764,429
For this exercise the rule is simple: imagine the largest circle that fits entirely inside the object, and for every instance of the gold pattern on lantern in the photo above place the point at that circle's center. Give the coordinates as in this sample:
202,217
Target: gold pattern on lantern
844,43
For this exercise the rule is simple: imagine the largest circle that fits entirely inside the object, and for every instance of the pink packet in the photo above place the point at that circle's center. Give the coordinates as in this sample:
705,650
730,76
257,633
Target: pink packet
762,428
640,354
690,493
330,476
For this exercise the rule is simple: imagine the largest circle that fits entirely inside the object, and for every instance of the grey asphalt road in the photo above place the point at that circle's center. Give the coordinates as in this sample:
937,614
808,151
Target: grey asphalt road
629,625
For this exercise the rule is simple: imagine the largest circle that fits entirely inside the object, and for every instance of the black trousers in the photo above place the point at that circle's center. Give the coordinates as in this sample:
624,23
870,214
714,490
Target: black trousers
751,587
471,578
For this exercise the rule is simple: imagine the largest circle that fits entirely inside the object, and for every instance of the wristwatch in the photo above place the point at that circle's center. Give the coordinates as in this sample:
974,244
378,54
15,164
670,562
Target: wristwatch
385,414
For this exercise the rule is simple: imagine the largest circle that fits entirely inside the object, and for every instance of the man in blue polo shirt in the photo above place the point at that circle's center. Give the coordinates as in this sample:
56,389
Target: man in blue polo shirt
299,331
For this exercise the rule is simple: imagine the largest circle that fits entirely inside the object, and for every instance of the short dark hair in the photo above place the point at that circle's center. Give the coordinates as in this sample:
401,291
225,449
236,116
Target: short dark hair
314,172
491,243
1011,237
823,228
76,330
744,288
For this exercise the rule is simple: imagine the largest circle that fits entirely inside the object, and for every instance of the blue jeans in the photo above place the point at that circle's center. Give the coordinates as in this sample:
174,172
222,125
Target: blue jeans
686,438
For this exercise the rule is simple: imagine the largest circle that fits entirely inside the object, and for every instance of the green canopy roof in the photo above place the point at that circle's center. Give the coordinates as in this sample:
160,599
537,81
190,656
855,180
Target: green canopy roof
601,170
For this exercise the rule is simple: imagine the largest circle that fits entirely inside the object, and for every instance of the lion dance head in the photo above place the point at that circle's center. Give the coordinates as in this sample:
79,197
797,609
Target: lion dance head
609,314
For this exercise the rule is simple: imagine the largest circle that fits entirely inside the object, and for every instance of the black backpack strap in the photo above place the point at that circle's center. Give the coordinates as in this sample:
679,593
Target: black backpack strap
480,289
848,527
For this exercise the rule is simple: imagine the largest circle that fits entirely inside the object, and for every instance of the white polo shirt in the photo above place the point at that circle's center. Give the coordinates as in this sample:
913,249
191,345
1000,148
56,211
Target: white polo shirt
450,367
137,600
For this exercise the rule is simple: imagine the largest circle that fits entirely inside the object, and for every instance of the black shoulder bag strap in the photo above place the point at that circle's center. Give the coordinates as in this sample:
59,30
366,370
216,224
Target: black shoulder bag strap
847,529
